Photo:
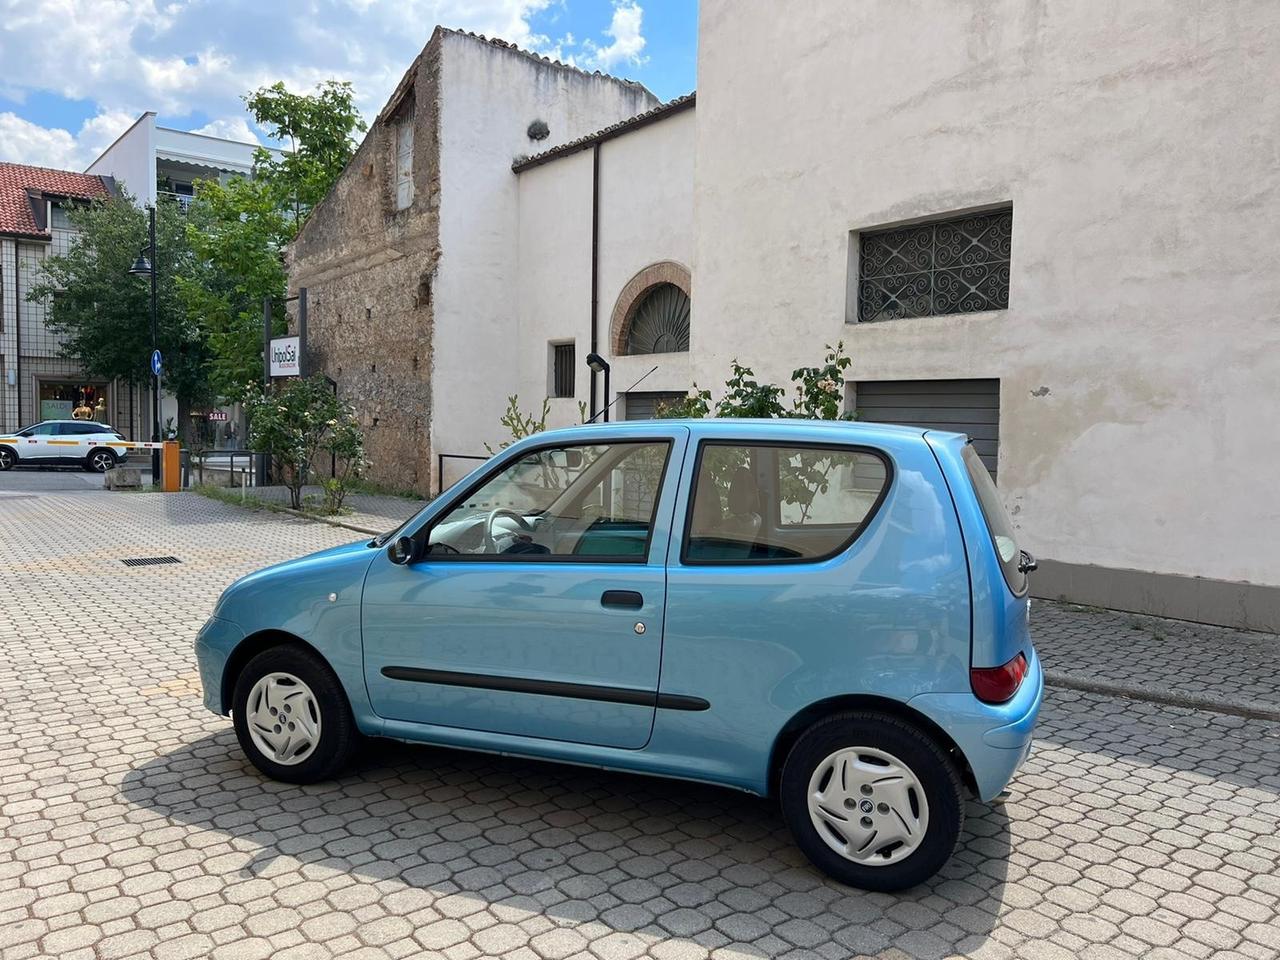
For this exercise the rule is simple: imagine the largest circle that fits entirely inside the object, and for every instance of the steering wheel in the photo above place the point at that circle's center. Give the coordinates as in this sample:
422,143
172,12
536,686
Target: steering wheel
491,544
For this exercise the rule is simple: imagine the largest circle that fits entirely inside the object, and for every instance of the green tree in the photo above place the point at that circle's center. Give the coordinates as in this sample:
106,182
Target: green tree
295,422
318,130
103,315
236,231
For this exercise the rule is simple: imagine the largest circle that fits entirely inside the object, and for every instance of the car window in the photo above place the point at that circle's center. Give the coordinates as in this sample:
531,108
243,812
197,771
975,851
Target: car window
761,503
573,502
1003,538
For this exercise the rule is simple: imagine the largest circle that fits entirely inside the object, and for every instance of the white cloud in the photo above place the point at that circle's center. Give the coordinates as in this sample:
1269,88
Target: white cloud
24,142
628,42
179,57
229,128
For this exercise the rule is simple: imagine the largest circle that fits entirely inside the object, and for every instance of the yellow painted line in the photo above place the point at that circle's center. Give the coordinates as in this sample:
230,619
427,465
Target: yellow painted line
63,443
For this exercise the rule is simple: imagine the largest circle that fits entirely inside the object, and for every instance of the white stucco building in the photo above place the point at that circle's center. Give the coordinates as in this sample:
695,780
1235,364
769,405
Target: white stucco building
1038,229
152,162
411,262
1028,236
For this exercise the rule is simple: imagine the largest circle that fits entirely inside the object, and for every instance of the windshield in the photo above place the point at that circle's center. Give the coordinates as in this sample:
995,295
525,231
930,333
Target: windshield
1002,536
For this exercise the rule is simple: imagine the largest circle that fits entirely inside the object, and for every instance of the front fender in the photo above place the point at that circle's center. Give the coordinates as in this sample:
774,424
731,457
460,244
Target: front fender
315,599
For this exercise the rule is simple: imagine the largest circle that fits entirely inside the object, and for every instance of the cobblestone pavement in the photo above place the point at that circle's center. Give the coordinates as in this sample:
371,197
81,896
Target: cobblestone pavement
131,826
1199,664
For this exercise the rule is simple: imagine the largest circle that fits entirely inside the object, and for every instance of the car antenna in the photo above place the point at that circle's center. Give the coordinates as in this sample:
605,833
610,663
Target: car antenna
618,396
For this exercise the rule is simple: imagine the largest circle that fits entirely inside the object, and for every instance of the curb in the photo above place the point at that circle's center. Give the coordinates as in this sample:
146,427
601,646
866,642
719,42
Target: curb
331,522
1209,704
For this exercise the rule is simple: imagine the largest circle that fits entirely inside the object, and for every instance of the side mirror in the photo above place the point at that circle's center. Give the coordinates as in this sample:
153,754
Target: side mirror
403,550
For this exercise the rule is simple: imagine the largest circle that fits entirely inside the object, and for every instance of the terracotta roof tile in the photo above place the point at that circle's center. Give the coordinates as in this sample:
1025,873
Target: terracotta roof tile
18,183
608,133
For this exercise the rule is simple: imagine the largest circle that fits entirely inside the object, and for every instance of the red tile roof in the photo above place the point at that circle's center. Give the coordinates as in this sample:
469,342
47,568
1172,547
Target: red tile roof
19,183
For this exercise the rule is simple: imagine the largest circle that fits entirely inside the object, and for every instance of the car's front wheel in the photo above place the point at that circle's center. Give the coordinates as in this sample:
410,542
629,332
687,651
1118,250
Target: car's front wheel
7,458
292,717
872,801
100,461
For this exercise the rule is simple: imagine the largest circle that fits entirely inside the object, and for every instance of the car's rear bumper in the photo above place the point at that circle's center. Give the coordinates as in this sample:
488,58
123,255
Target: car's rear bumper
994,738
214,643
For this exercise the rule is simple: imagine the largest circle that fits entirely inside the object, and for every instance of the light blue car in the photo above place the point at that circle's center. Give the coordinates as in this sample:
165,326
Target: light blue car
833,613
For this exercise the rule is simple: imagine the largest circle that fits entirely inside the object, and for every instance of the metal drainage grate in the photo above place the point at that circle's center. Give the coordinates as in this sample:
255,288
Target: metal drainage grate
148,561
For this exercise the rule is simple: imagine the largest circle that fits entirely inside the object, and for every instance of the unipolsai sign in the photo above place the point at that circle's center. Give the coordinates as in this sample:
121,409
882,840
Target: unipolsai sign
286,357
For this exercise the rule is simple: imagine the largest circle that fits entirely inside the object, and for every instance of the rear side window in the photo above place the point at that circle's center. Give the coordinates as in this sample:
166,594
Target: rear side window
761,503
1002,536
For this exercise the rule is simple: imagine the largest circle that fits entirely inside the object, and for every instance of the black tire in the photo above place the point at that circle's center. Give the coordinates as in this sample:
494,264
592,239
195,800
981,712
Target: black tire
926,760
100,460
338,737
7,458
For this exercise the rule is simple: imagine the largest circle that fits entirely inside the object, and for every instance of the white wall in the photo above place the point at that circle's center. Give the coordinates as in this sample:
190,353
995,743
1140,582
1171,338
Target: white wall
132,160
1140,355
646,216
489,96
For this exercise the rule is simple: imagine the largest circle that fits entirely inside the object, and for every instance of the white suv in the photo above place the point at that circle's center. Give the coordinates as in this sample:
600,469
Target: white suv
63,442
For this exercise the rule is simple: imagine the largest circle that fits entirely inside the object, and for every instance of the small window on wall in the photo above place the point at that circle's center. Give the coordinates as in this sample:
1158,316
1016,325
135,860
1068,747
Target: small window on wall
562,369
404,158
774,504
956,265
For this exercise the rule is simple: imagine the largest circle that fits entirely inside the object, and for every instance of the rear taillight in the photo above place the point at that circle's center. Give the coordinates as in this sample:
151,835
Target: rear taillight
998,684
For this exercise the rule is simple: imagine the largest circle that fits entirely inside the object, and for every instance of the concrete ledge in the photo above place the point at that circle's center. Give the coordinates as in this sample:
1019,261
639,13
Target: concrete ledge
1209,704
123,478
1246,606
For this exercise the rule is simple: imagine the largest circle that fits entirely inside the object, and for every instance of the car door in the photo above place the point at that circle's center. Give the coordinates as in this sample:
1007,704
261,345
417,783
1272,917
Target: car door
66,443
35,445
537,609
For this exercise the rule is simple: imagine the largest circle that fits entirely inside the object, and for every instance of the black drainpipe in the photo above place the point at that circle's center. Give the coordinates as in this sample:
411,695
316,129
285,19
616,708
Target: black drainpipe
595,251
17,331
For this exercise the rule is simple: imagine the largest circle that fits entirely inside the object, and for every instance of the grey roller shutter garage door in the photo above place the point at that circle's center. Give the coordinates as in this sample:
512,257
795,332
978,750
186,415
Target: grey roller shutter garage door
963,406
644,406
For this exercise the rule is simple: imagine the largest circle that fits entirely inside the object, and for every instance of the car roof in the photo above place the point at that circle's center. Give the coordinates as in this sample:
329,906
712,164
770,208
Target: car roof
92,423
834,430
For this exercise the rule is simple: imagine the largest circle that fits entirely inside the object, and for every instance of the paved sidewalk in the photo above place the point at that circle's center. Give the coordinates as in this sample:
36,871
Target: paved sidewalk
1172,661
370,513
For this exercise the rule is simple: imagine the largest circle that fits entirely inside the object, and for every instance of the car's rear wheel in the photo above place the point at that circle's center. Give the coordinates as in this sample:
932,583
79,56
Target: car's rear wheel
100,461
7,458
292,717
872,801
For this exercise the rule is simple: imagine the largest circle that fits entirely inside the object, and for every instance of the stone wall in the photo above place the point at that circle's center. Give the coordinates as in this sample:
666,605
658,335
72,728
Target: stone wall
368,269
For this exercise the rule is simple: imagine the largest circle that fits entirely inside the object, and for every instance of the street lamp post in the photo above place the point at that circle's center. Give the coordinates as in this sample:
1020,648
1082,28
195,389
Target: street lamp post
600,365
146,266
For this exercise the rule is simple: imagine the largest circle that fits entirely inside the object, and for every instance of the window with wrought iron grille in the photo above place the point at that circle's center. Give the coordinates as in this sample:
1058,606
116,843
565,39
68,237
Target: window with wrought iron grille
957,265
562,369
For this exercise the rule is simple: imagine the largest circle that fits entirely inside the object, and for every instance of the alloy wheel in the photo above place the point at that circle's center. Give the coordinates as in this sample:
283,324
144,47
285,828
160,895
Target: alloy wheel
868,806
102,461
283,718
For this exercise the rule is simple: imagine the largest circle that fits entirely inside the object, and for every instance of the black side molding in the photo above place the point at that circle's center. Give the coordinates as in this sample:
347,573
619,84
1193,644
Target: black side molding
548,688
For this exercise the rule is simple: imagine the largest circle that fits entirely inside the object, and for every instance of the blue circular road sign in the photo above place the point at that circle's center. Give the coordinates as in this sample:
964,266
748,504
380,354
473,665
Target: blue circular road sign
155,362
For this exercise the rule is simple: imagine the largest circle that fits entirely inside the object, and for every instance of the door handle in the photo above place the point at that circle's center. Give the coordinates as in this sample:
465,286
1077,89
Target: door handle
627,599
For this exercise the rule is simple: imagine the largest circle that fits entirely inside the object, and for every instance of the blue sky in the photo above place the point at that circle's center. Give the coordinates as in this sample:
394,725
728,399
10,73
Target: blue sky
78,72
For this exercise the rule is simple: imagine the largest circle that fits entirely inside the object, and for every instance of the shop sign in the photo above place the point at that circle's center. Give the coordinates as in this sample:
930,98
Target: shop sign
285,354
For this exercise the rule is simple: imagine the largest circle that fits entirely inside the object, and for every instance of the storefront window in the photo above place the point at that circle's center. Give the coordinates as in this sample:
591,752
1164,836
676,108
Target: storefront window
73,401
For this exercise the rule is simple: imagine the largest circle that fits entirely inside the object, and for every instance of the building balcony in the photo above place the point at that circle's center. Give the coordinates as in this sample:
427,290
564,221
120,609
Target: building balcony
184,200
